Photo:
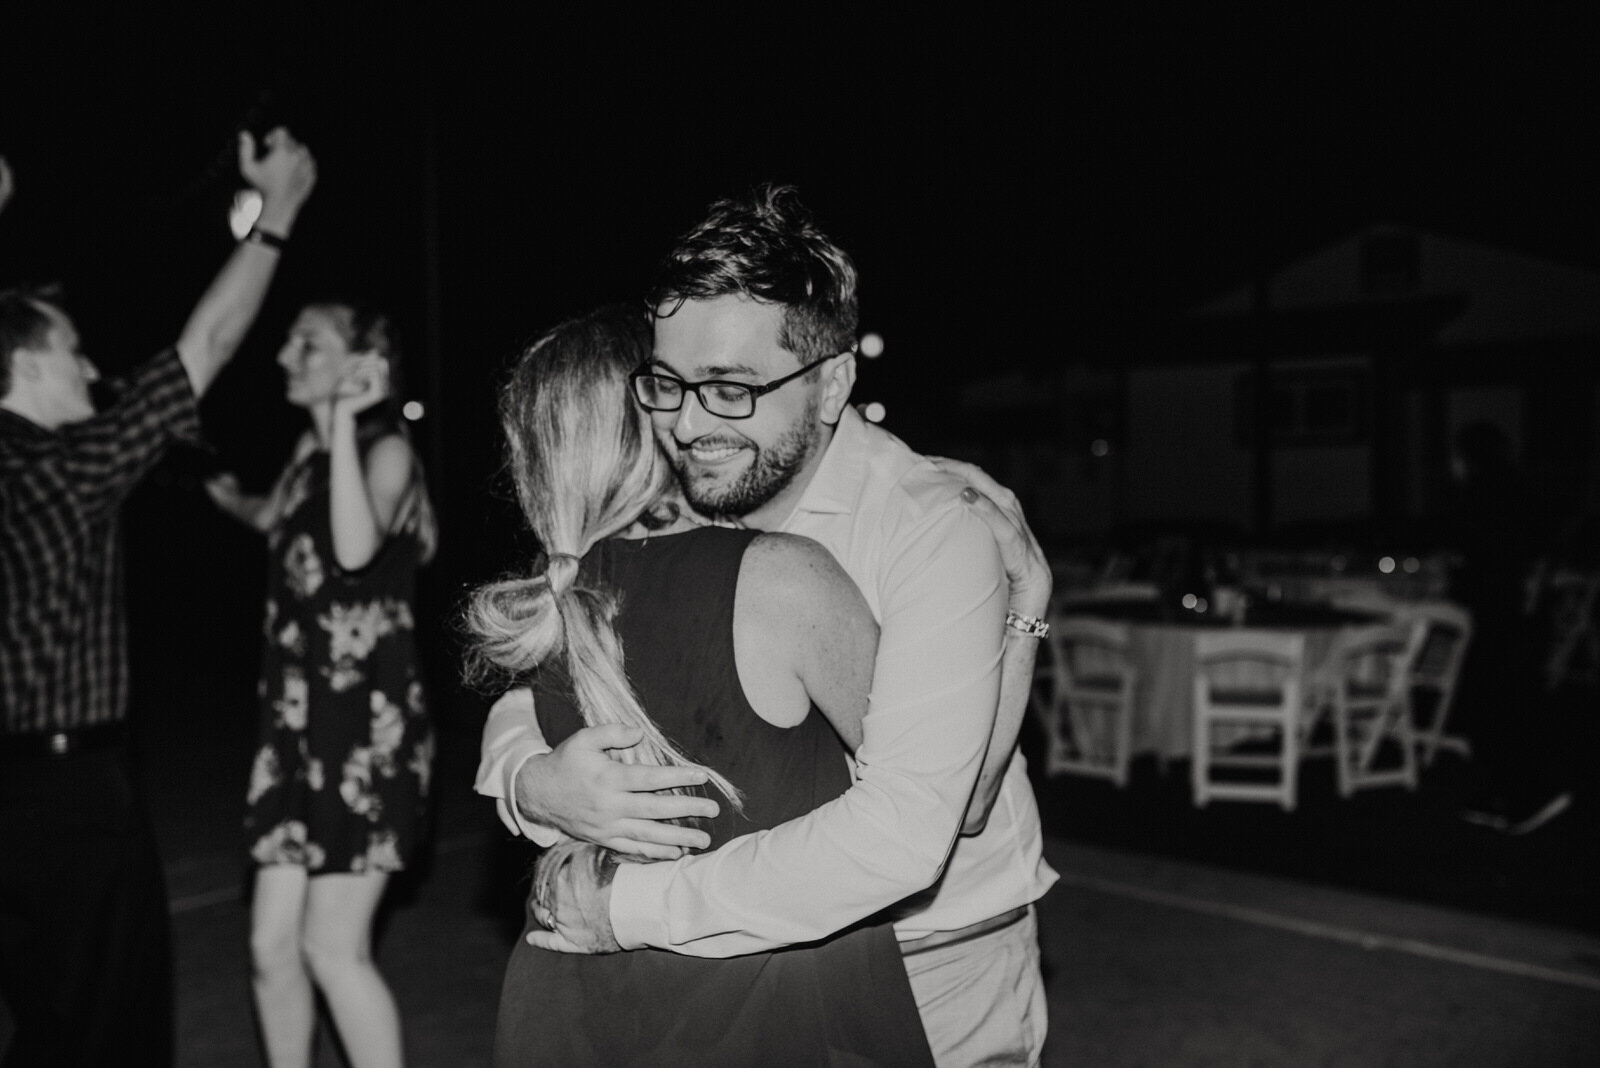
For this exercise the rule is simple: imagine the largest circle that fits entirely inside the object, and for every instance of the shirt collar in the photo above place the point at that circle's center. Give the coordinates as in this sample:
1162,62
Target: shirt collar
836,486
14,425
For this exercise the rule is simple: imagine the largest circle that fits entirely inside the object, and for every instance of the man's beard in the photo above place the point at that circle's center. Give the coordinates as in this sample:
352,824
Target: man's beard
773,469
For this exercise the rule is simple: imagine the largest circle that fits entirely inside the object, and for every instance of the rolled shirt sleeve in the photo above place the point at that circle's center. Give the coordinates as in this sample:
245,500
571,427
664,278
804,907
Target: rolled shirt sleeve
940,596
63,627
105,456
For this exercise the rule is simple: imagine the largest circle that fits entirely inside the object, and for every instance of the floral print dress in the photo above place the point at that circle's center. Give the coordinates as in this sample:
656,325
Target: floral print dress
340,778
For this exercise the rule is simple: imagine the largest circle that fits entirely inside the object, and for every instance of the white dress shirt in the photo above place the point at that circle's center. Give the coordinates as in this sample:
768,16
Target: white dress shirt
932,576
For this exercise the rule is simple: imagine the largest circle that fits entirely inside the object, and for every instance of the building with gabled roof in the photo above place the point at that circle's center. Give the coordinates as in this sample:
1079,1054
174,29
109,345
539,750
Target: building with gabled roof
1324,393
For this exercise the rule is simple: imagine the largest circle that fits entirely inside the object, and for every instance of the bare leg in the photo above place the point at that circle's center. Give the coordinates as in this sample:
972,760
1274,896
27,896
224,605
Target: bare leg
285,1007
338,947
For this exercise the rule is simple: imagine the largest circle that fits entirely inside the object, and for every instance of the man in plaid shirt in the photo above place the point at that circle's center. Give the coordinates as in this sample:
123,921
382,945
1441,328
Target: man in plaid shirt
85,959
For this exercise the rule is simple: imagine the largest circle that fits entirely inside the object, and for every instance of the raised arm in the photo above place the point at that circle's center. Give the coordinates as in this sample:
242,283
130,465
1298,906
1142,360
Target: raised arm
223,316
364,493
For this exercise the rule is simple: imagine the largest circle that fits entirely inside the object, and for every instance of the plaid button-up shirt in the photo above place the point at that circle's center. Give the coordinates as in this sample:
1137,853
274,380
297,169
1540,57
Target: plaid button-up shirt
63,628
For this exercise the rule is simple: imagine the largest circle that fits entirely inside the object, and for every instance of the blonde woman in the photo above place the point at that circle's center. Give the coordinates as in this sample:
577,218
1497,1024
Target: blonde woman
743,654
338,789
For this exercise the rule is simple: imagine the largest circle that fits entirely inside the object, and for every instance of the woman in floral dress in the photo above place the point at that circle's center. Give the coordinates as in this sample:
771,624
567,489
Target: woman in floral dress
339,784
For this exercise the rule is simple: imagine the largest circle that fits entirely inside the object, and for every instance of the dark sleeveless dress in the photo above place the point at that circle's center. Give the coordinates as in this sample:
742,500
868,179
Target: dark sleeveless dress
340,777
843,1001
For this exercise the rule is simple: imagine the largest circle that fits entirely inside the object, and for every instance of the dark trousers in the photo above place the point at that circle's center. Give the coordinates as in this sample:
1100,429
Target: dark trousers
85,945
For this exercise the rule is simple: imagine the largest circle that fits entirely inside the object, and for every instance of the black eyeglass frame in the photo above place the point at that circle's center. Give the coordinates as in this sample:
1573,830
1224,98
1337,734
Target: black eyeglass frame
754,391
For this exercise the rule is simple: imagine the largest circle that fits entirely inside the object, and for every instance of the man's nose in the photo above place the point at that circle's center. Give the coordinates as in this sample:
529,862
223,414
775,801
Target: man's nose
91,373
692,418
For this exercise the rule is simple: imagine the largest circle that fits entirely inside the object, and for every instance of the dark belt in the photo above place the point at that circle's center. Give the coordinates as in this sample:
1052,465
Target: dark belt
57,744
964,934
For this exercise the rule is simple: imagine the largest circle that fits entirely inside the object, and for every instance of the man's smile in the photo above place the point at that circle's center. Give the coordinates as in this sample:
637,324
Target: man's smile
711,452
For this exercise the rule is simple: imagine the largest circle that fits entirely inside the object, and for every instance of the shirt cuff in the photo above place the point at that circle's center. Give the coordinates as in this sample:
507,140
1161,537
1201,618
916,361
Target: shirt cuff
537,833
497,778
636,893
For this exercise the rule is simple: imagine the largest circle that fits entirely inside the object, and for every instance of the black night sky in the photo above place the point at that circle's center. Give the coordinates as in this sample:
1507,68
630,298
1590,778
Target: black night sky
1020,187
1024,188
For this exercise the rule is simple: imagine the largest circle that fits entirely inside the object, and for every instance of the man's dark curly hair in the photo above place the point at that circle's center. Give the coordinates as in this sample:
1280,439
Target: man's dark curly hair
764,246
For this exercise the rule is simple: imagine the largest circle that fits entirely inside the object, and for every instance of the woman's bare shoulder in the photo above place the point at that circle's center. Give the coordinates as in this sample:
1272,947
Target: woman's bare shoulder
799,613
787,566
796,583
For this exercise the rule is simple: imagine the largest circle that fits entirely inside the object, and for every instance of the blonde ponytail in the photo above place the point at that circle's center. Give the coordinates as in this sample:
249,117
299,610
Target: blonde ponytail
585,468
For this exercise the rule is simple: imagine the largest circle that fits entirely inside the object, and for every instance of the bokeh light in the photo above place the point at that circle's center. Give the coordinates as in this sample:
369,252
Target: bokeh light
871,345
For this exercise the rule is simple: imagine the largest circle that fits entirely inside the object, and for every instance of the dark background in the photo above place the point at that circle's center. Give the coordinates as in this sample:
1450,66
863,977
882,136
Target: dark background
1021,187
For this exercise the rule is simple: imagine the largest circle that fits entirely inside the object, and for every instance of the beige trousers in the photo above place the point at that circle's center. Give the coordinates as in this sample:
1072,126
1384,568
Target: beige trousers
982,1000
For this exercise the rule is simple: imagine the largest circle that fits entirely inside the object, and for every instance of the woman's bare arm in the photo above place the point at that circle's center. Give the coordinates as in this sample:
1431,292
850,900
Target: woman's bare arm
803,634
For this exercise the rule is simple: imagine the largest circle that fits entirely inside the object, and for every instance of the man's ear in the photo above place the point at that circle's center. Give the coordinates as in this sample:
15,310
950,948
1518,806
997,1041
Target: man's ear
838,379
24,365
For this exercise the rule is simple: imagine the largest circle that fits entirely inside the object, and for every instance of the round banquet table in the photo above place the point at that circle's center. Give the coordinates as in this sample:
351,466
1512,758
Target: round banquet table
1161,647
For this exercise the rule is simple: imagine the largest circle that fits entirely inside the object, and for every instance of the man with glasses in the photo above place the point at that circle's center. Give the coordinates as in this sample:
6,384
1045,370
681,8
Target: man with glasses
749,386
661,392
758,487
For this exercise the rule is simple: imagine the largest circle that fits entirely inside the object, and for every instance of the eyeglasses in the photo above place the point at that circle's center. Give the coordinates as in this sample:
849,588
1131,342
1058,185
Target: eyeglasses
661,392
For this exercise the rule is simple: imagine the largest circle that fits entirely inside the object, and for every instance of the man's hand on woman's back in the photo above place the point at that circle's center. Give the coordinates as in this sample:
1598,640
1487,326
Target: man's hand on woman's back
581,791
